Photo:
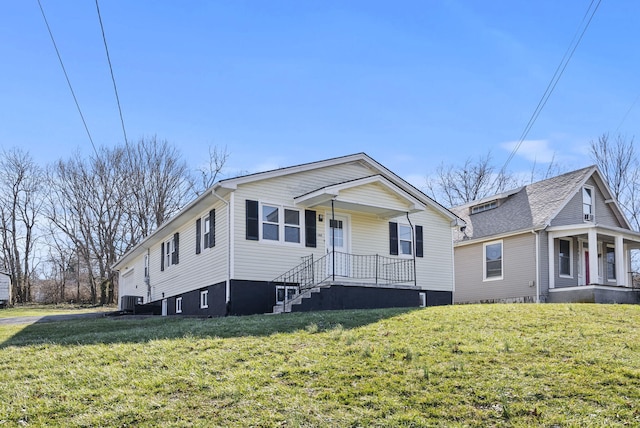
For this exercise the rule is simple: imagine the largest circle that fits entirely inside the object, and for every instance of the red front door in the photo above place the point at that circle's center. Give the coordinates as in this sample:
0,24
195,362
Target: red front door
586,268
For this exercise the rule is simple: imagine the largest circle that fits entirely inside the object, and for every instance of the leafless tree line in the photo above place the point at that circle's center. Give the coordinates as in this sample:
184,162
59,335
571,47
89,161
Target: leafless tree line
67,223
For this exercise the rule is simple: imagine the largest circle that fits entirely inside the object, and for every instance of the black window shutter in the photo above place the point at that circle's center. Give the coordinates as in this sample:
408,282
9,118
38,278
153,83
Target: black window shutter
162,256
198,234
175,259
212,228
419,242
310,228
253,227
393,238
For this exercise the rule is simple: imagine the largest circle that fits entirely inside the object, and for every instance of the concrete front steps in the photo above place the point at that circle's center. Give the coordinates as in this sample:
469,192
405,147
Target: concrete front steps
289,304
341,295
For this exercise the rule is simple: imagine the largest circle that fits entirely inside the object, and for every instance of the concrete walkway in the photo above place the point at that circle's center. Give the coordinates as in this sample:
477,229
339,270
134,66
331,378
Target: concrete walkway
51,318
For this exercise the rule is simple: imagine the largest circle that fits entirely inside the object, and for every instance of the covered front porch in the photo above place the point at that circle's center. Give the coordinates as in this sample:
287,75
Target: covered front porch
592,263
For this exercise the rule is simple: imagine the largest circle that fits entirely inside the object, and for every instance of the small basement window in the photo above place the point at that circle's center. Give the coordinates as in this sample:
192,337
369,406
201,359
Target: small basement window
285,293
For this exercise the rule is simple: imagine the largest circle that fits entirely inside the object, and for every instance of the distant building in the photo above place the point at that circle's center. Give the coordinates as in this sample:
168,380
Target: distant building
564,239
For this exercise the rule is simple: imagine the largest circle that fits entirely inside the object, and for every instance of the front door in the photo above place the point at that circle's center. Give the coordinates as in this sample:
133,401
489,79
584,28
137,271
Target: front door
338,241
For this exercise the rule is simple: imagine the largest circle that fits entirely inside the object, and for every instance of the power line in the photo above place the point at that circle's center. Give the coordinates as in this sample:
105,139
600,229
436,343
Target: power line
113,79
627,113
554,81
64,70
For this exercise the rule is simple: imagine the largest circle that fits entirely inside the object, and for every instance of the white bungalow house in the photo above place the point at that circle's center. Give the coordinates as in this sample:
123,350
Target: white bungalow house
564,239
335,234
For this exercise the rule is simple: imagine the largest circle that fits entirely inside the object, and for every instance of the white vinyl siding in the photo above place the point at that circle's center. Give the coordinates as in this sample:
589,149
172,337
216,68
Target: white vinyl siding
194,270
369,234
377,192
256,260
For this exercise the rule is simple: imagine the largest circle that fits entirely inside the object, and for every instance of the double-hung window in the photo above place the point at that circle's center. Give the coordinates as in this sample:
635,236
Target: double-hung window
611,263
587,203
207,230
270,223
493,269
291,225
404,239
280,224
565,257
168,250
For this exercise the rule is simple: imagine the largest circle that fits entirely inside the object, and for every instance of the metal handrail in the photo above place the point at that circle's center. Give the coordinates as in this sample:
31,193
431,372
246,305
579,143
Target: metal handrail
378,269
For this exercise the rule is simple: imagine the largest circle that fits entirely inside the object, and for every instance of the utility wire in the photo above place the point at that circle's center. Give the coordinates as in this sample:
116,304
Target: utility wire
627,113
113,79
64,70
554,81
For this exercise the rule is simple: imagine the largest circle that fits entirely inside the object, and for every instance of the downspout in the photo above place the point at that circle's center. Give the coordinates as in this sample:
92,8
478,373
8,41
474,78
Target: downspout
413,251
147,279
537,234
332,224
227,288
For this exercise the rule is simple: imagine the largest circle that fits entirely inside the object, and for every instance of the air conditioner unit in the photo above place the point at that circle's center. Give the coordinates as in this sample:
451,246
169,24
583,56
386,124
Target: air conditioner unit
588,217
129,303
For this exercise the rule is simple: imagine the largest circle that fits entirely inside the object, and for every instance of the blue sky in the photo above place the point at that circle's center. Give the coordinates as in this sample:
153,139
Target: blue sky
411,83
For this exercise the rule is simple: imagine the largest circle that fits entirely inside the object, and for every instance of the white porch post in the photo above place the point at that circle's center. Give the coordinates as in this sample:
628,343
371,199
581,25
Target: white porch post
621,265
552,260
593,256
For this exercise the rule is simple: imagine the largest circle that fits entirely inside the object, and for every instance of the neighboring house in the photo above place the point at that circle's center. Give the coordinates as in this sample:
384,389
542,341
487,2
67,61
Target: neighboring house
564,239
5,289
335,234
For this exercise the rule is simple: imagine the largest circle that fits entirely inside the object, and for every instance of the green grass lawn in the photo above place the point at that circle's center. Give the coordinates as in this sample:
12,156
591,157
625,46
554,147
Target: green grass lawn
44,310
472,365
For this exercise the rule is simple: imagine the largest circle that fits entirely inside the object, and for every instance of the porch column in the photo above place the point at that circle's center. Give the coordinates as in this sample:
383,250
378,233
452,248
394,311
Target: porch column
621,265
593,256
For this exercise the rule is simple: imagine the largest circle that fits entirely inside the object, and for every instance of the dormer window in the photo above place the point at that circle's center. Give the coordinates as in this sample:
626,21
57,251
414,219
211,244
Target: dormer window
587,203
484,207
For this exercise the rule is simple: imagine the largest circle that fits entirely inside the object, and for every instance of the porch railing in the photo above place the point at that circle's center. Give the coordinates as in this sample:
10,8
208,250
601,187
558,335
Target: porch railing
333,266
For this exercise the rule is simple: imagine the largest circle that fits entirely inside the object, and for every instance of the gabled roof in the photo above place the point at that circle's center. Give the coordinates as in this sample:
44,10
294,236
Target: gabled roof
222,188
531,207
325,194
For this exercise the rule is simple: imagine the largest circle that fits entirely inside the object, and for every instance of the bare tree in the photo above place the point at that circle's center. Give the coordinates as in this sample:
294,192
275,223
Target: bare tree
207,174
87,203
617,159
158,182
20,206
475,179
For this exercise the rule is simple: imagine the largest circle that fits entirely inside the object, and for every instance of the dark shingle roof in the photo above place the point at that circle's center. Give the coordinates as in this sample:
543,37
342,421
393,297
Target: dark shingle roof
529,207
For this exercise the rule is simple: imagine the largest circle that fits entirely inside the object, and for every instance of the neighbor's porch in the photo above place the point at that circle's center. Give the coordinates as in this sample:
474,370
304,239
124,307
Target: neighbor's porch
592,263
